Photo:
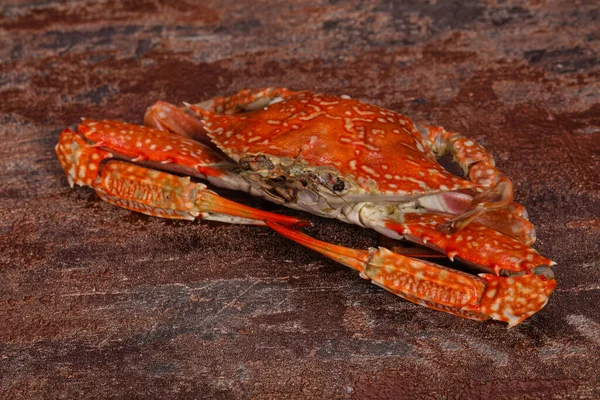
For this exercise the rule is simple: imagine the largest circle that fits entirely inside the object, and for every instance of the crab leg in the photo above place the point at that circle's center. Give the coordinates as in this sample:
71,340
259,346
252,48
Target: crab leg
144,190
166,117
168,196
479,165
162,150
477,245
476,297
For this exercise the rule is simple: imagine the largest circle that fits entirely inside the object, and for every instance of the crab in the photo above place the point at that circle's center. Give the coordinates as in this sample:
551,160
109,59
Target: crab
334,157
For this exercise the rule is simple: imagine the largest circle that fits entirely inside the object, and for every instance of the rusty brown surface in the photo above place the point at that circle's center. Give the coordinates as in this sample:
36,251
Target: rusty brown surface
98,301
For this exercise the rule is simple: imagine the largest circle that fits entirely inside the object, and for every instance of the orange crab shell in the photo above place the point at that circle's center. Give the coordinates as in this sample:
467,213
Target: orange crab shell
382,150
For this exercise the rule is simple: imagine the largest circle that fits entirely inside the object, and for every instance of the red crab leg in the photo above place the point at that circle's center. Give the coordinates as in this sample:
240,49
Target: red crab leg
478,164
143,144
476,297
168,196
166,117
149,191
476,244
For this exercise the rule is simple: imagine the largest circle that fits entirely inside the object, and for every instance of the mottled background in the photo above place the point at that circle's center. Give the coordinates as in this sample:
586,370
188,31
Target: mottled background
96,300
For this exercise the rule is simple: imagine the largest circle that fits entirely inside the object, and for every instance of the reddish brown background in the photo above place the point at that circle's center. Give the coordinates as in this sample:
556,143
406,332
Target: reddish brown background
98,301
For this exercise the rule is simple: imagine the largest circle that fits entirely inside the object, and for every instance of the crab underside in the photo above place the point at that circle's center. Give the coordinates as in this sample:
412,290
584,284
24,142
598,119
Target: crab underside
334,157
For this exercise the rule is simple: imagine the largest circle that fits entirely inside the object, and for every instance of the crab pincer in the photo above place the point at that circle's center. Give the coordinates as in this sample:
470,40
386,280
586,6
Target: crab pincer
99,155
479,297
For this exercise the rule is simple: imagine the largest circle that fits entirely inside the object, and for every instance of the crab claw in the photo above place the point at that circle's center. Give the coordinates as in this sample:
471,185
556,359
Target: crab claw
165,195
511,299
476,245
150,191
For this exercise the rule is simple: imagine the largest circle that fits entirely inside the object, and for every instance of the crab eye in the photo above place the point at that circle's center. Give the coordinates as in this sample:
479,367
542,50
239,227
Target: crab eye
338,186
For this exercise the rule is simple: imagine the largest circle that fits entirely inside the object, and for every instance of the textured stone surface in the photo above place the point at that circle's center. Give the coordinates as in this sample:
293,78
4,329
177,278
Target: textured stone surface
98,300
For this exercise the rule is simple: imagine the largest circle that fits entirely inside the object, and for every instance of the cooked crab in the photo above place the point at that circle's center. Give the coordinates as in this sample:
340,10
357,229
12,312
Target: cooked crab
339,158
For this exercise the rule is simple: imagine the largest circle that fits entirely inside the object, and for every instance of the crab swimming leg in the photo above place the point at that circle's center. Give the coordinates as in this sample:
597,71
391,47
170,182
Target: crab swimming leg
167,117
478,165
480,297
87,157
